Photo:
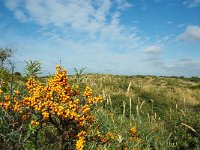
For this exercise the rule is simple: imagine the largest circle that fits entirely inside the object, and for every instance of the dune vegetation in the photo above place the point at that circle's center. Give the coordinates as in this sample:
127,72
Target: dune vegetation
98,111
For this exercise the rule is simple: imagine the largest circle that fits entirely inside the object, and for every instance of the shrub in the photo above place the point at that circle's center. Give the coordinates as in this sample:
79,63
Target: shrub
55,104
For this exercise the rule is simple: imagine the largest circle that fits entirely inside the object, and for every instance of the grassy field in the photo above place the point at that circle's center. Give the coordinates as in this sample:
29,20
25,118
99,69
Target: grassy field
165,111
136,112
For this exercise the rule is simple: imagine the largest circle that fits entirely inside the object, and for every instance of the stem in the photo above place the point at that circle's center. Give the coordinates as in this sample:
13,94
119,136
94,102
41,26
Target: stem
36,135
55,125
11,82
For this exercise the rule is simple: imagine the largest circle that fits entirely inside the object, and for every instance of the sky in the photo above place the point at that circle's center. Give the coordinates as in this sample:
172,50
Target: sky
129,37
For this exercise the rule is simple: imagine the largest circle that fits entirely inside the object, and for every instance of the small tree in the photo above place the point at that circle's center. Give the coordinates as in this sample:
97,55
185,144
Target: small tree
33,68
5,53
17,74
78,74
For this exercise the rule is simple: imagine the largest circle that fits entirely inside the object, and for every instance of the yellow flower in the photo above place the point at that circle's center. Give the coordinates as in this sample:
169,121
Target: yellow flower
17,92
133,134
32,122
80,143
57,99
58,67
37,123
81,134
7,97
1,92
87,92
45,115
110,135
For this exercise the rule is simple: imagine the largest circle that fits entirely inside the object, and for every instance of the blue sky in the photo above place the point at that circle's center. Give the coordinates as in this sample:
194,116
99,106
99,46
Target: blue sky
150,37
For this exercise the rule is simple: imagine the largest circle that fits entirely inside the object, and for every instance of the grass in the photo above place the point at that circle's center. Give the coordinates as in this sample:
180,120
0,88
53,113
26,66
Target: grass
167,104
165,112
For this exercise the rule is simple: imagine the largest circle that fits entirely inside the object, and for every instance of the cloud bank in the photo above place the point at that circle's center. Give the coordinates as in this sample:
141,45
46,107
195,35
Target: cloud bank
191,33
153,49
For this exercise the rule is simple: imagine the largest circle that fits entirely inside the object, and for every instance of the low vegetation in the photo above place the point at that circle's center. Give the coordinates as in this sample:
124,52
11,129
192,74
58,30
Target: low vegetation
97,111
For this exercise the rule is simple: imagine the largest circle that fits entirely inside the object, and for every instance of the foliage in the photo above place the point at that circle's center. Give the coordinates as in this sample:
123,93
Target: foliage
137,112
5,53
33,68
56,104
78,75
4,74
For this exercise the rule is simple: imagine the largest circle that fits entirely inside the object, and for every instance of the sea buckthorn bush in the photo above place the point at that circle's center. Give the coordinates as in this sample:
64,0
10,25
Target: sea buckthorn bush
56,104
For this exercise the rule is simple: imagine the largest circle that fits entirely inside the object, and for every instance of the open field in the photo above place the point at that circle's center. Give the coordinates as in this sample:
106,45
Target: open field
136,112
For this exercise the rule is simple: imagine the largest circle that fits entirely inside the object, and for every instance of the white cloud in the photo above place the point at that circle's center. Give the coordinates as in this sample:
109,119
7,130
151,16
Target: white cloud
78,15
184,66
21,16
169,22
153,49
86,34
192,33
90,17
123,5
191,3
96,56
11,4
59,13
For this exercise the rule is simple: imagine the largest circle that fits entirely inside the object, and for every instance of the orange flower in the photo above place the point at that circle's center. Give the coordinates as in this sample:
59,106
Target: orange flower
57,99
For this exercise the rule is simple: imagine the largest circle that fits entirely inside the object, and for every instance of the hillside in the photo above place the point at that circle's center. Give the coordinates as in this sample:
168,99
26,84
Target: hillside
166,110
136,112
